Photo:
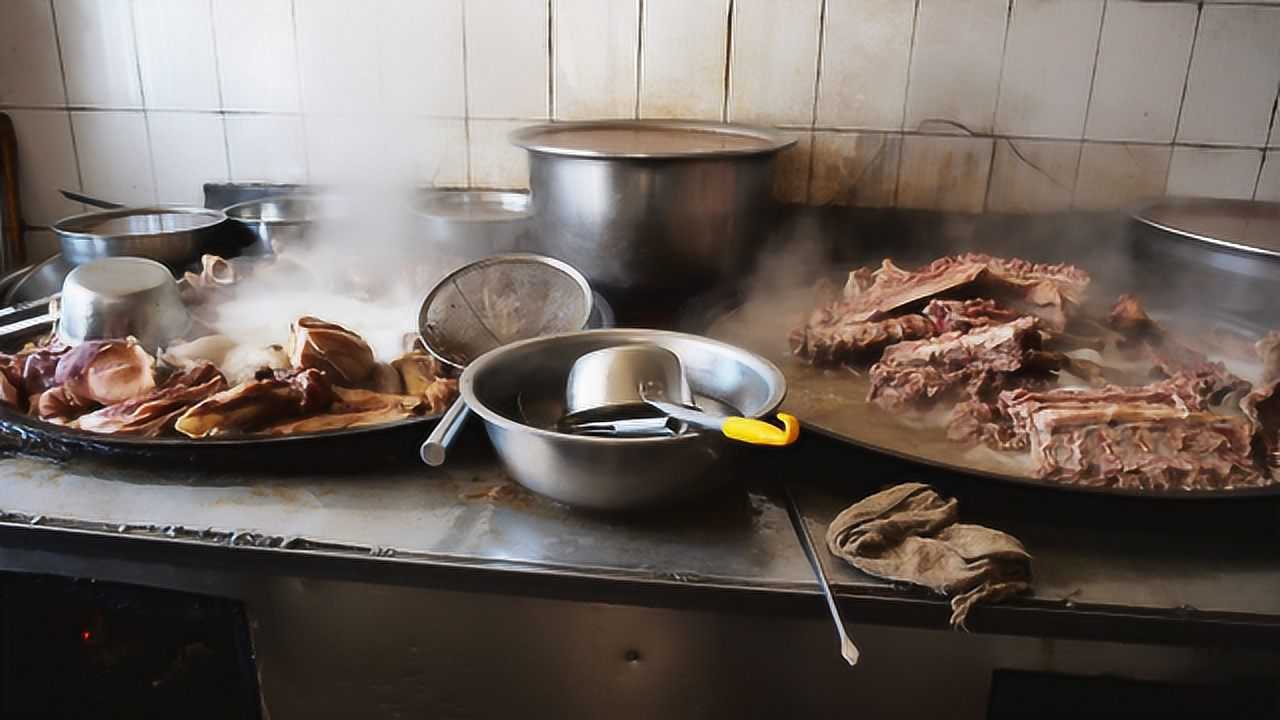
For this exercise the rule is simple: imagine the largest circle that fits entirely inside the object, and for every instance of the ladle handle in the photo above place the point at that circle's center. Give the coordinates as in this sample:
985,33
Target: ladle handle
435,448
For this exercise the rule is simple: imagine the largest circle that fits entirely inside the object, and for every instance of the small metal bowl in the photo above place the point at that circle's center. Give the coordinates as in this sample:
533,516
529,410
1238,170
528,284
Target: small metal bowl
518,390
612,383
276,221
120,297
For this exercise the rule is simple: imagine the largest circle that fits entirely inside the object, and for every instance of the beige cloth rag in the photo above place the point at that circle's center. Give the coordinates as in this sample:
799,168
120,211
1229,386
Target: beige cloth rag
909,533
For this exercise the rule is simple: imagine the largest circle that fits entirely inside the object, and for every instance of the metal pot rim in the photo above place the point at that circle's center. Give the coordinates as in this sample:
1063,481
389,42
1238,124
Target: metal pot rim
537,139
233,211
1141,215
466,385
68,226
427,204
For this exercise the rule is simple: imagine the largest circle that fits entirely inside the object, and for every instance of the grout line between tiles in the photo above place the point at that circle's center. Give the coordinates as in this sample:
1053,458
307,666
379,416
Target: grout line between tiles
639,55
142,94
297,78
906,93
1088,101
66,97
817,72
1186,79
217,78
995,107
466,91
551,67
728,64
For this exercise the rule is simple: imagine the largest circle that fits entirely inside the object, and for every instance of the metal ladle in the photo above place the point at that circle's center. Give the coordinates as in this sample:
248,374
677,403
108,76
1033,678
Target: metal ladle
490,303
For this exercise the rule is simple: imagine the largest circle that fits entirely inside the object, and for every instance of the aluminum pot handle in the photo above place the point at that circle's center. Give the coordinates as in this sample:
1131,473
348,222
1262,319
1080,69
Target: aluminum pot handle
442,436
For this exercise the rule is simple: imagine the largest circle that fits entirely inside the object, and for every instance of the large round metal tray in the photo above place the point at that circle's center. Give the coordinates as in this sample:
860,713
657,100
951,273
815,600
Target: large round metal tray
833,402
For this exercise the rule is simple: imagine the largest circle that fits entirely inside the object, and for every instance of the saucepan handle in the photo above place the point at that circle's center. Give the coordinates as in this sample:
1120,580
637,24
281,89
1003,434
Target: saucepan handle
434,449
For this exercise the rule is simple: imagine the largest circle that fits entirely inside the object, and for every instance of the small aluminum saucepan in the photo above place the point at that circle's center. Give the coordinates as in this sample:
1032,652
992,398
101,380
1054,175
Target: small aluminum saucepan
121,297
175,236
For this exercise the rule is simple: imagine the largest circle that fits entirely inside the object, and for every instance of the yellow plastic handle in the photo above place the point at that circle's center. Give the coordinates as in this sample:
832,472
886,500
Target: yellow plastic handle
759,432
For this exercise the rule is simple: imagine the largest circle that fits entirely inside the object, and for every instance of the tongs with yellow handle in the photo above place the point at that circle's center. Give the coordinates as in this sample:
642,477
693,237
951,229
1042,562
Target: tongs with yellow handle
747,430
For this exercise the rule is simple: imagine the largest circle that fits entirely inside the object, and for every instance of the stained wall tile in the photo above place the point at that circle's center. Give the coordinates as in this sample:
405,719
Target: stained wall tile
1048,66
98,52
855,169
595,53
257,58
189,149
944,172
1269,180
1117,175
506,44
176,55
266,148
865,54
774,67
29,70
47,162
1142,66
791,171
1214,172
1235,70
494,161
115,157
1030,176
420,56
337,55
683,58
955,64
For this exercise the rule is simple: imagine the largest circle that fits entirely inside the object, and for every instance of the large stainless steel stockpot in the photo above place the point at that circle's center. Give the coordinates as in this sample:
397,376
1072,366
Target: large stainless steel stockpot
644,207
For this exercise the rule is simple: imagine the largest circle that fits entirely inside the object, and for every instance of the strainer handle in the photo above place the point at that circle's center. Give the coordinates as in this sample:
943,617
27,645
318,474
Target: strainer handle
435,448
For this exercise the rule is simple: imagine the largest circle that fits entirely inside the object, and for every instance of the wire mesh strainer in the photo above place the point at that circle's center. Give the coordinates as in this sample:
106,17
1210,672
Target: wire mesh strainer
490,303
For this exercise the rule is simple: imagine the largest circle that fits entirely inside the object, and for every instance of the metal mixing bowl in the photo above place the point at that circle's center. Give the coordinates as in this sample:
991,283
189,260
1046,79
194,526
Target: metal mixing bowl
173,235
519,392
120,297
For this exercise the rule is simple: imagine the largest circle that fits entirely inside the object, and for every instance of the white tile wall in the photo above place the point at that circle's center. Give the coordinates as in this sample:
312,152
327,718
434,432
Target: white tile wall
1224,105
176,55
866,52
98,52
774,60
189,150
683,65
51,166
507,63
955,64
1141,69
919,104
115,156
1214,172
595,48
257,57
1269,180
1048,67
30,73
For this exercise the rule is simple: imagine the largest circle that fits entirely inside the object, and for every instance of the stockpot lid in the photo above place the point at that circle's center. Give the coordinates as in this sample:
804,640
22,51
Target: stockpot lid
649,139
1246,226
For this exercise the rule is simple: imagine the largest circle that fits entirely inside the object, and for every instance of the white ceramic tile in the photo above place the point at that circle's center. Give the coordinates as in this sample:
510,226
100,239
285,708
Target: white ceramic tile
190,149
944,172
774,66
955,64
41,245
257,61
682,58
1032,175
1273,137
420,56
1235,70
855,169
1048,65
441,158
46,162
1269,180
507,58
98,52
1142,66
1118,175
791,169
865,53
175,54
594,52
266,148
337,55
115,157
29,71
1214,172
495,162
350,149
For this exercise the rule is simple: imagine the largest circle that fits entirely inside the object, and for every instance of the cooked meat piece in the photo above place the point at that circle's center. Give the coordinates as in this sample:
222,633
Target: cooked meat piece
424,377
57,405
1269,352
1262,407
156,412
11,385
1129,318
39,368
830,339
965,315
215,272
258,403
106,372
1133,438
980,419
354,408
188,355
386,380
916,372
332,349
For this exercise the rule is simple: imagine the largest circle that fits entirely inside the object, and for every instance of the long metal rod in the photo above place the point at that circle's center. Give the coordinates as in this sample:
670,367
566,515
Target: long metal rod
848,650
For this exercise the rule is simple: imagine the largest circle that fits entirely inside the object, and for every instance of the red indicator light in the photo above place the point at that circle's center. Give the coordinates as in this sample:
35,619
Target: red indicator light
86,636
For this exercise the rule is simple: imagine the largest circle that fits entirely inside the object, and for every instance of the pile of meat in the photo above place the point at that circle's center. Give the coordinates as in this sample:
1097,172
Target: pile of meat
995,338
325,378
